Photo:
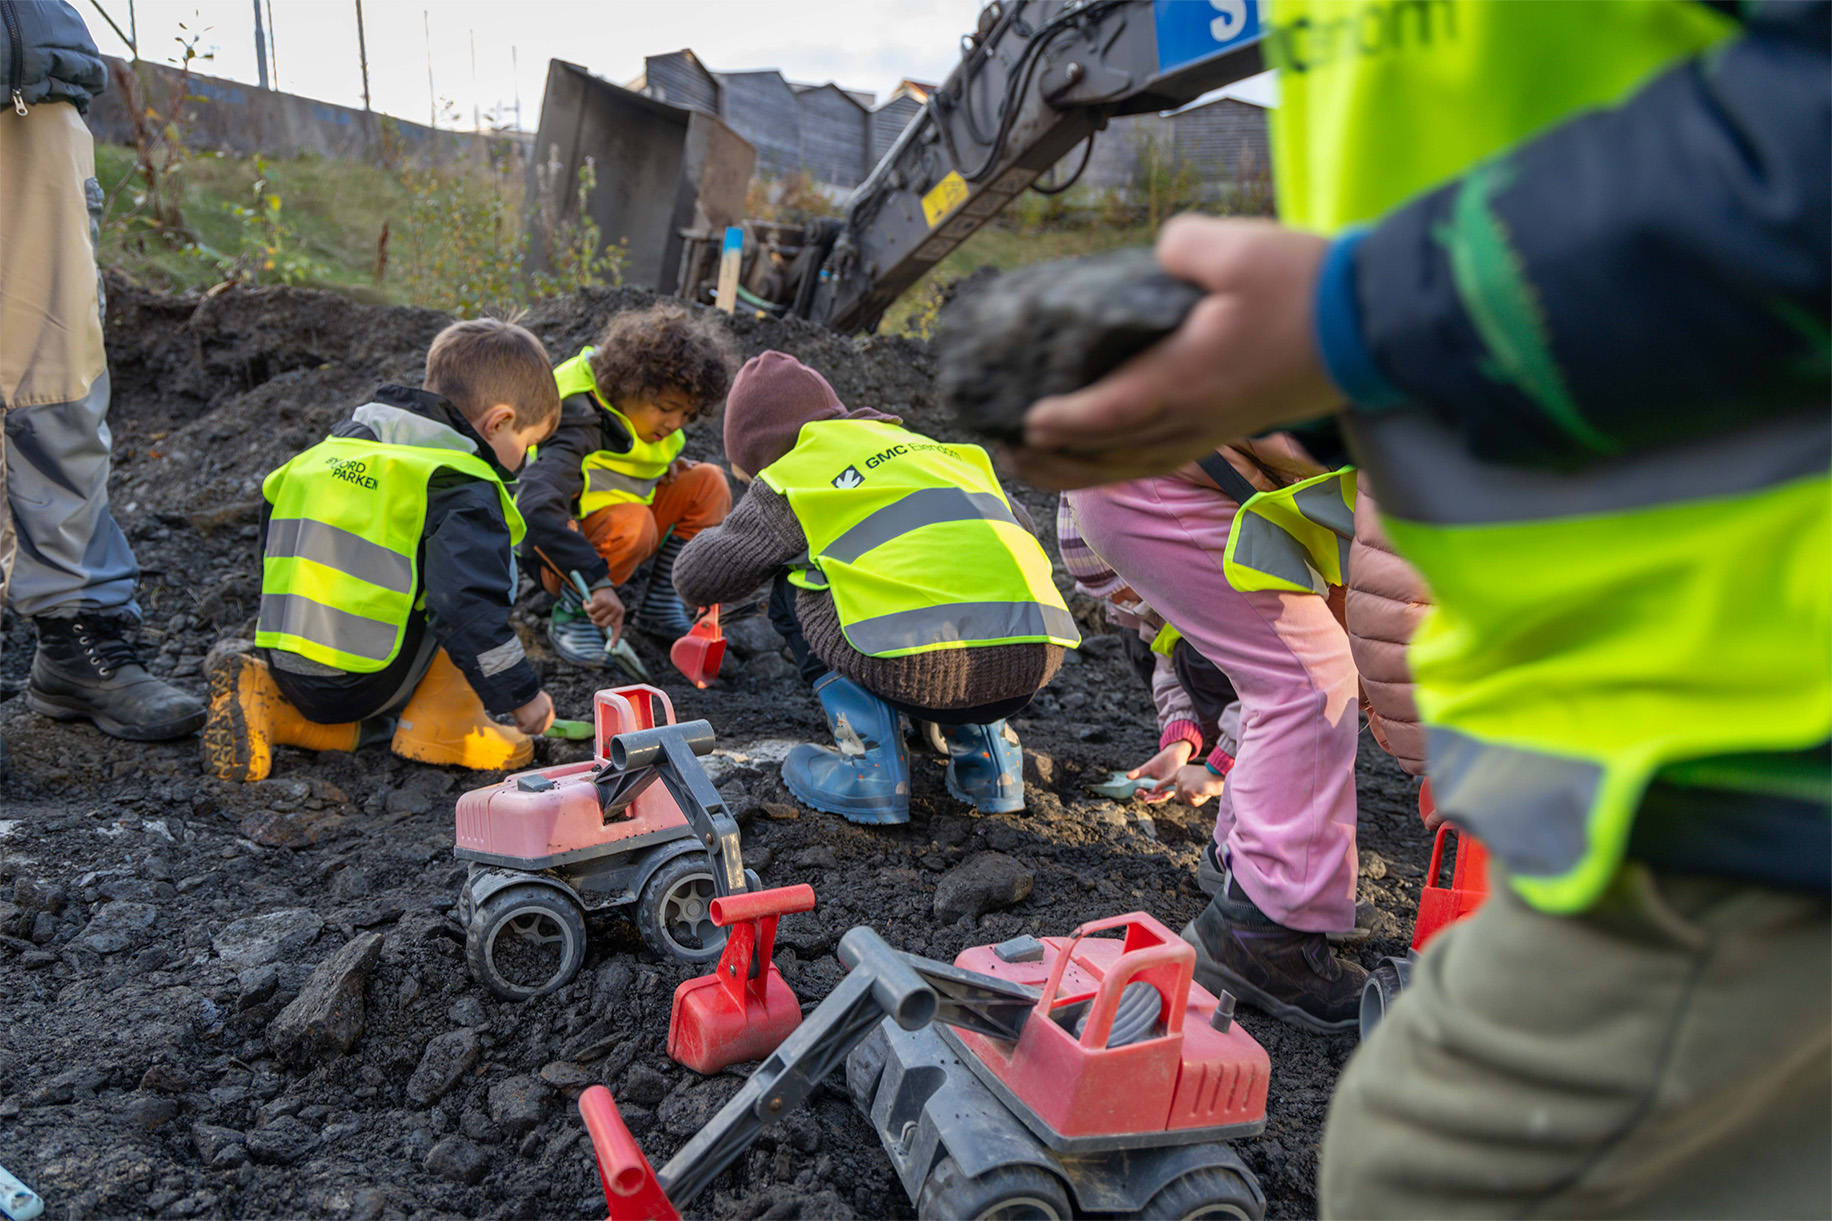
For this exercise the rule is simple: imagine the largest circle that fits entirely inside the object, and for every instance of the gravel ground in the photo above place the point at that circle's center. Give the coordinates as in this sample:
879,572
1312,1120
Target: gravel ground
165,936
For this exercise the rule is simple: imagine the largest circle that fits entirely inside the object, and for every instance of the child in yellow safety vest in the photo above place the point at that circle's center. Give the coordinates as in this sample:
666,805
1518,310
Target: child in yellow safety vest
904,579
388,574
610,490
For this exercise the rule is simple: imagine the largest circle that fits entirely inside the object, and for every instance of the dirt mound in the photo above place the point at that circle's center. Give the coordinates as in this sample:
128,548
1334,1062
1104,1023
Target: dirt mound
155,924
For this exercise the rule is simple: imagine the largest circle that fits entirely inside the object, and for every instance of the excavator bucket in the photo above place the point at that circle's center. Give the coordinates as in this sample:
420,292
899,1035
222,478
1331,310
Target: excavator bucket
699,652
631,1190
744,1009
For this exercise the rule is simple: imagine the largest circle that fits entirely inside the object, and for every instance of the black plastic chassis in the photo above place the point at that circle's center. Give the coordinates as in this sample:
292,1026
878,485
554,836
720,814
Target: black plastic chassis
927,1103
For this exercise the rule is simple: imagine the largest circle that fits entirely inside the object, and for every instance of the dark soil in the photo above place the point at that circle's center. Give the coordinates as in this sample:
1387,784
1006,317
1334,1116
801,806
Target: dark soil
138,1071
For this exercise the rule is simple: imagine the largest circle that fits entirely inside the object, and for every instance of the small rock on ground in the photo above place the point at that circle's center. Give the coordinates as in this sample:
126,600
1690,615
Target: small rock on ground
282,1142
517,1104
119,926
457,1160
984,882
445,1060
253,940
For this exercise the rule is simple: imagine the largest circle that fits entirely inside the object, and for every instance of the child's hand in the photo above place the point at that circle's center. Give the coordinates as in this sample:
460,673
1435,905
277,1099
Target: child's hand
1163,767
675,469
535,716
605,610
1196,784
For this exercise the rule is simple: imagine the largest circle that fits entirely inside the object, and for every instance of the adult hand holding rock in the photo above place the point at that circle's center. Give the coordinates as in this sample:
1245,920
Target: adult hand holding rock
1244,361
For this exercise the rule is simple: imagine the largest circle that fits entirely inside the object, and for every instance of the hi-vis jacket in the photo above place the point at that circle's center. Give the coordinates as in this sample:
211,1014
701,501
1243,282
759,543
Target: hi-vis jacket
397,522
916,542
1590,382
593,460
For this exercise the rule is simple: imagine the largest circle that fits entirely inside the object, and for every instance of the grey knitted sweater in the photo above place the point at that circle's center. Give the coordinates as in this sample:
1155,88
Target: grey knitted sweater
761,536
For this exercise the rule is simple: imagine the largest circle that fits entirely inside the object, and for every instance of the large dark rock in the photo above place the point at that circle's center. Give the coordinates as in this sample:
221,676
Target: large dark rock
282,1142
1049,329
326,1018
982,883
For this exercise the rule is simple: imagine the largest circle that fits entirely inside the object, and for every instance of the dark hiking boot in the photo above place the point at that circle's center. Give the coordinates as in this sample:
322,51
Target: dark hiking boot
1293,976
86,670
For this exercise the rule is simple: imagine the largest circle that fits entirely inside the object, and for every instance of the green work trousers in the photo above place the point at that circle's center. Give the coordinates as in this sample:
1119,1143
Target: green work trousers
1666,1054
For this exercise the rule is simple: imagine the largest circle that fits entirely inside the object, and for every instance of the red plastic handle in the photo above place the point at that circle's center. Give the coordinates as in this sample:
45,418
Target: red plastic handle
1177,962
756,904
1139,927
631,1190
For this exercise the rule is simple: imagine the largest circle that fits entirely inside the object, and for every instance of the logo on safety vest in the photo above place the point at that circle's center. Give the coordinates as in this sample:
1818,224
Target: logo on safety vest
351,470
848,478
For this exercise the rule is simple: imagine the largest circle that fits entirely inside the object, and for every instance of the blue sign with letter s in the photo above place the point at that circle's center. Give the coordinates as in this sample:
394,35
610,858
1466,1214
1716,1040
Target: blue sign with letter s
1189,30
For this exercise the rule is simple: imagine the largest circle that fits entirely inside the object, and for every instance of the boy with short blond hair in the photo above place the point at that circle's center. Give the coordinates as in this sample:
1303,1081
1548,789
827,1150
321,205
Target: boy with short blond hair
611,489
388,574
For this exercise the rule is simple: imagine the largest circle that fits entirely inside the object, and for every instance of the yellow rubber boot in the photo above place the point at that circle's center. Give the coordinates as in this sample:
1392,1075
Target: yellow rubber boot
249,717
446,723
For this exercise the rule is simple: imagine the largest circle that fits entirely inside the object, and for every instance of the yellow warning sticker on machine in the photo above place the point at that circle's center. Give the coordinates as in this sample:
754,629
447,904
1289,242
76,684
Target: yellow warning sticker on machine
945,196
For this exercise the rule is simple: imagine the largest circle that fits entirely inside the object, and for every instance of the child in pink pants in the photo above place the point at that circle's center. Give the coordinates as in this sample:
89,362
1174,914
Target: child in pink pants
1285,824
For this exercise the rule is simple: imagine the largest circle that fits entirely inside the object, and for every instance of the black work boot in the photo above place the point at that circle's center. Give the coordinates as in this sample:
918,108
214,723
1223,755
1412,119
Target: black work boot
86,669
1293,976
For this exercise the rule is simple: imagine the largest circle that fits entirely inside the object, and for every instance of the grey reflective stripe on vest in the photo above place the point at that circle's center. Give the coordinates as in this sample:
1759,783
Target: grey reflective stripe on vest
922,507
1423,472
1264,547
604,479
334,547
294,615
1531,810
969,622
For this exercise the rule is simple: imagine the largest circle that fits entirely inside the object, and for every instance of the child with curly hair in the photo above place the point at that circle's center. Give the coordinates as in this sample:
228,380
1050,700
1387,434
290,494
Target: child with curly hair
610,489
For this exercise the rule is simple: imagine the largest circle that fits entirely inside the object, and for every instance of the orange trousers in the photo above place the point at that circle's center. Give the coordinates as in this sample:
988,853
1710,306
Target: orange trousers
627,534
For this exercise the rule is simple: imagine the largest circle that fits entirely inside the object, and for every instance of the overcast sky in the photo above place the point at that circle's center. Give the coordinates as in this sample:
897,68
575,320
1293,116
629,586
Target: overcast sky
861,44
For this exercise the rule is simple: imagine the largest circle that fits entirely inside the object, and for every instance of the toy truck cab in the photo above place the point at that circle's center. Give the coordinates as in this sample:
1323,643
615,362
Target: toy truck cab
1114,1097
550,845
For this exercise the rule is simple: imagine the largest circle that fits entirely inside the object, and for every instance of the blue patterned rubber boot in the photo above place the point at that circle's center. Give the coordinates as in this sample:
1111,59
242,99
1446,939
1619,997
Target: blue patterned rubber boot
865,776
985,767
573,636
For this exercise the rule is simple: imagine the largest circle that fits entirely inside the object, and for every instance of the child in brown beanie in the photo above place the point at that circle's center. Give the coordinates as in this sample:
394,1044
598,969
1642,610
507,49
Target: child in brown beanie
905,581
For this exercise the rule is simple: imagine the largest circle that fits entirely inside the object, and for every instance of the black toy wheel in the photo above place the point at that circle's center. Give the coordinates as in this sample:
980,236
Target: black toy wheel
1385,983
525,941
674,911
1211,1192
1004,1193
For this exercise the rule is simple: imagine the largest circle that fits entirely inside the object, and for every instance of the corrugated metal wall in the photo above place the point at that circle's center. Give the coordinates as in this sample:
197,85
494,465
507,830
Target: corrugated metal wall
679,79
833,139
1224,140
761,107
888,122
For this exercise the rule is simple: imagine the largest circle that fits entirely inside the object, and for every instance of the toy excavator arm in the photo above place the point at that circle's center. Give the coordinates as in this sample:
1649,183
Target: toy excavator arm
880,982
671,753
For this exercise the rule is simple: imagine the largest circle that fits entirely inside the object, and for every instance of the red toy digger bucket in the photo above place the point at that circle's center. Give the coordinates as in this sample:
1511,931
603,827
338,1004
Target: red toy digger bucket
631,1190
1443,905
744,1009
699,652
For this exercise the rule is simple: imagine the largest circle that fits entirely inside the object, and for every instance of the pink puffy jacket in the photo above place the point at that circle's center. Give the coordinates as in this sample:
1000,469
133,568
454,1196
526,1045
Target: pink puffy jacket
1386,600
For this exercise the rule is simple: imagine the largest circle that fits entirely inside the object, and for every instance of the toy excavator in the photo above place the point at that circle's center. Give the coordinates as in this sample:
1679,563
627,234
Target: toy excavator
1047,1078
548,846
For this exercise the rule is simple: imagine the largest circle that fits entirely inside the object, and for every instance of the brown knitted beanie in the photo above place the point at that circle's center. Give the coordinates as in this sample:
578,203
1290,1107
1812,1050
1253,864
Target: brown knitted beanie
771,398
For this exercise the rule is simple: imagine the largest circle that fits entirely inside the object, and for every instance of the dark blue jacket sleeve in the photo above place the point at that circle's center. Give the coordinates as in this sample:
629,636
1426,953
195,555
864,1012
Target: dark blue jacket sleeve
1649,273
469,576
53,59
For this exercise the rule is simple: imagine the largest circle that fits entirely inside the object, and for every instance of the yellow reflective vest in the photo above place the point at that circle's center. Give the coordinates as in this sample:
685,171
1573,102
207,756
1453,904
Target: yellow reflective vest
610,477
1666,614
916,541
340,577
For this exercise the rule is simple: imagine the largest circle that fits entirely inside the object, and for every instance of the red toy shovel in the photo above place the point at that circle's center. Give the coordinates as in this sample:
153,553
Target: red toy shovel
699,652
744,1009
